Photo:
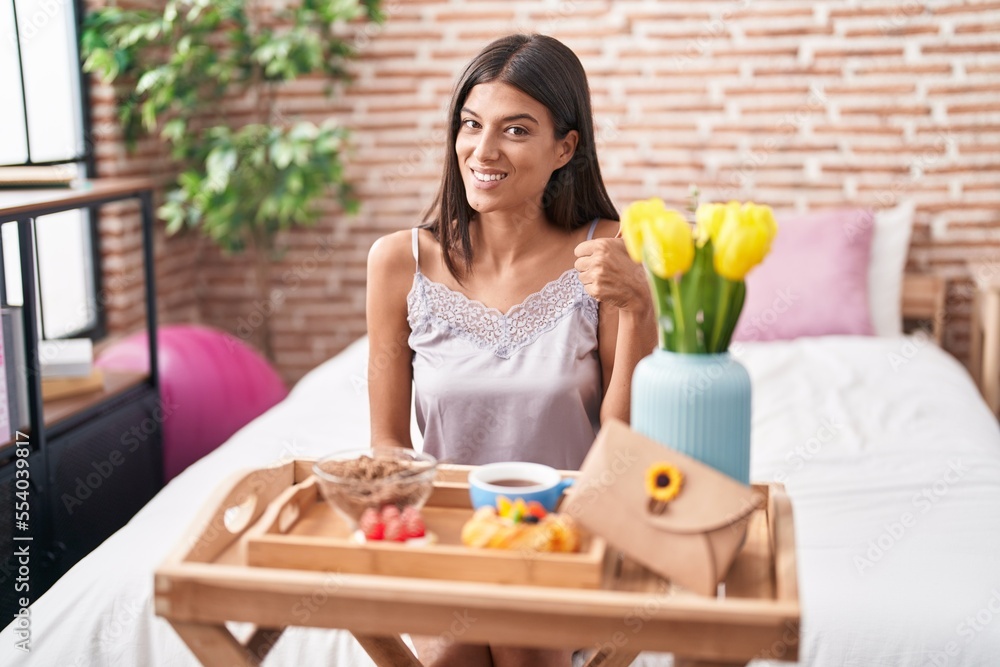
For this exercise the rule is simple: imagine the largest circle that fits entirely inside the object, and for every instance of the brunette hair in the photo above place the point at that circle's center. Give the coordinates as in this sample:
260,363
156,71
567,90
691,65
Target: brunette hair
548,71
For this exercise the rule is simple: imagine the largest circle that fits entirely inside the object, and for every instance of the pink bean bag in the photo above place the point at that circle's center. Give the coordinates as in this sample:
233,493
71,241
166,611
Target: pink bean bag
211,384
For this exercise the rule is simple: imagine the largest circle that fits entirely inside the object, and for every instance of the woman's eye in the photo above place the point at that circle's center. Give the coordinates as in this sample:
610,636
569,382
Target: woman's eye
471,124
518,131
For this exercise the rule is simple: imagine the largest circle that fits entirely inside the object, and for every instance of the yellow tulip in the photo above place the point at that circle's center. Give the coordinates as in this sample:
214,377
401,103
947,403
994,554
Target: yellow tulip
743,239
633,221
709,218
667,243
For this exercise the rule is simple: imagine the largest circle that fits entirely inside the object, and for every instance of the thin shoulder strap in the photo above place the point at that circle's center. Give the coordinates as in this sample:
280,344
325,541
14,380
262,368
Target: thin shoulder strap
593,226
416,248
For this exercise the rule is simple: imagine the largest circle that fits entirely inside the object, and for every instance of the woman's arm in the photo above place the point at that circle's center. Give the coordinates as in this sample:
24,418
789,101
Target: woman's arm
626,330
390,369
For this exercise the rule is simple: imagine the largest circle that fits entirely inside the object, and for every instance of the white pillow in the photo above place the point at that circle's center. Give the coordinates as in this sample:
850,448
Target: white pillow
890,246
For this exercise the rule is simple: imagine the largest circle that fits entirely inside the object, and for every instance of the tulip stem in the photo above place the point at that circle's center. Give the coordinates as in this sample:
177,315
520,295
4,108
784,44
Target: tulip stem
721,315
678,309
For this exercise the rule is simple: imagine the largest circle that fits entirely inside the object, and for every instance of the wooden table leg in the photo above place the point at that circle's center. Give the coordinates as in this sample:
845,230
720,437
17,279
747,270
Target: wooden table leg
262,640
614,658
389,651
214,645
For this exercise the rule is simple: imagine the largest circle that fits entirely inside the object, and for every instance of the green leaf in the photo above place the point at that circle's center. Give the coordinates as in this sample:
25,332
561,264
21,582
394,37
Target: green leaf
733,314
343,10
281,153
219,166
180,61
698,290
190,181
192,15
174,129
148,80
148,116
660,289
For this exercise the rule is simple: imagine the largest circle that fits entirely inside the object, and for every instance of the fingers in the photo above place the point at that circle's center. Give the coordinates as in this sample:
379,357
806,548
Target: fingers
595,246
586,247
598,246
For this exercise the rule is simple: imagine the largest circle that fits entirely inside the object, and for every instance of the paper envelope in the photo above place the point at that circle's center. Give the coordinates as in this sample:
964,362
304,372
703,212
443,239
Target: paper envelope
694,541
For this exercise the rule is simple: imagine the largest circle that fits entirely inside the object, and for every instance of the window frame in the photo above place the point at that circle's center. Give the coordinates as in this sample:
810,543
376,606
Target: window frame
98,329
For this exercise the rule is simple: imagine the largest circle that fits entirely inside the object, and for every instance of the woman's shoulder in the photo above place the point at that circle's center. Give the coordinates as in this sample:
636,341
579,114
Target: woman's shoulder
606,229
391,257
393,250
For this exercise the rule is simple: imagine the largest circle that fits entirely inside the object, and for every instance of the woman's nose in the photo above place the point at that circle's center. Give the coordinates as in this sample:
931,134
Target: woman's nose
488,149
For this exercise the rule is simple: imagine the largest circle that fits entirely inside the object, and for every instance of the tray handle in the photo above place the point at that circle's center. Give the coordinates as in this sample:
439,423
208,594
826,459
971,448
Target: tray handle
286,509
232,509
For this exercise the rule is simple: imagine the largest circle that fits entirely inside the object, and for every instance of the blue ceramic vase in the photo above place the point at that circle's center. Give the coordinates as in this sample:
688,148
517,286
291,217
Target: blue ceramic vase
698,404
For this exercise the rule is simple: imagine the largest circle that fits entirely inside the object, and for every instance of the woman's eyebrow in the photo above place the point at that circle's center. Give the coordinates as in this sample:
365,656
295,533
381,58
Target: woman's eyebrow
506,119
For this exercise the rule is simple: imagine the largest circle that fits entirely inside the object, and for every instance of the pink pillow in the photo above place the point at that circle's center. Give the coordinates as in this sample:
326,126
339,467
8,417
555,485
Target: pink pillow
814,282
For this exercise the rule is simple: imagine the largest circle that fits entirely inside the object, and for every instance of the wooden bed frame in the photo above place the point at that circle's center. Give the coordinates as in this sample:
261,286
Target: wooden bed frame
924,301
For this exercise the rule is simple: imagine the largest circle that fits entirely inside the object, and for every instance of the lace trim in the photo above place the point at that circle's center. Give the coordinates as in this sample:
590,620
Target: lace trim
503,334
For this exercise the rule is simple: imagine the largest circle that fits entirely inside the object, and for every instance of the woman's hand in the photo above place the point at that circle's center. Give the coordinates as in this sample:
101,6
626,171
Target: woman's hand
626,330
610,276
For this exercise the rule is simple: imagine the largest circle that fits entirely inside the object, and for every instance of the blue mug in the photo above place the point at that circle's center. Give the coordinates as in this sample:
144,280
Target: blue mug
516,479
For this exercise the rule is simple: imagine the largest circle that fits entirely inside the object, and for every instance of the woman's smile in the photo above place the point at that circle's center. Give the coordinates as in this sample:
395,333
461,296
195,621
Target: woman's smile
487,179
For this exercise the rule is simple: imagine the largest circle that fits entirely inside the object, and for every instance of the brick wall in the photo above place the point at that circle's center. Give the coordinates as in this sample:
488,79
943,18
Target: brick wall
798,104
123,284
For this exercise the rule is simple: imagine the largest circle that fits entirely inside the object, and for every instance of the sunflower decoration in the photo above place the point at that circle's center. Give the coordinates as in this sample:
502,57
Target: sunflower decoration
663,484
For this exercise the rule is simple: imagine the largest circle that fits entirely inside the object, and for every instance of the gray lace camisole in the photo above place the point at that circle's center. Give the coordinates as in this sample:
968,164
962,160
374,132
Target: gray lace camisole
524,385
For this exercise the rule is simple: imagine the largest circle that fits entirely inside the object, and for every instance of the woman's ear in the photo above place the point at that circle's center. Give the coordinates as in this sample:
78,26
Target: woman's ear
566,147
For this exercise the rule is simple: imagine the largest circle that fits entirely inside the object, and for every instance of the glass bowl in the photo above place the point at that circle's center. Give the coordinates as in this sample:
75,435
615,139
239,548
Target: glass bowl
358,479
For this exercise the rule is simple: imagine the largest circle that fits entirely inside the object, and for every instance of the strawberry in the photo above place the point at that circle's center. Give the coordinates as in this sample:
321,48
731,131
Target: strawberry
375,531
413,524
390,512
536,509
368,519
394,530
369,522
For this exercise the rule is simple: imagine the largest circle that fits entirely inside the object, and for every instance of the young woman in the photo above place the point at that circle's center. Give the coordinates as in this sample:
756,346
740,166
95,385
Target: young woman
513,312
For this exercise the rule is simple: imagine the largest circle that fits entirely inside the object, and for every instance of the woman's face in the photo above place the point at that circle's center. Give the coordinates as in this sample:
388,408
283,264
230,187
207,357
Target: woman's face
507,149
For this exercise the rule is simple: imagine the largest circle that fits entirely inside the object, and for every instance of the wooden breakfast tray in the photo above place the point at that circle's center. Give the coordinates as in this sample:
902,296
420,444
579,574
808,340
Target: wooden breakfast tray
301,531
207,581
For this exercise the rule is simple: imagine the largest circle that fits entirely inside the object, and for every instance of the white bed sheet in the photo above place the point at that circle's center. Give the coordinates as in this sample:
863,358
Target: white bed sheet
858,429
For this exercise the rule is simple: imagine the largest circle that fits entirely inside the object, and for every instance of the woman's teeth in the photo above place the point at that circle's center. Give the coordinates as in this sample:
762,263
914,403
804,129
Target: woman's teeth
488,177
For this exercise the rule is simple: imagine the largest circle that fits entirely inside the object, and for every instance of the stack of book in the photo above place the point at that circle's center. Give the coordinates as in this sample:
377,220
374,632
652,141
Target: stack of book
68,368
45,176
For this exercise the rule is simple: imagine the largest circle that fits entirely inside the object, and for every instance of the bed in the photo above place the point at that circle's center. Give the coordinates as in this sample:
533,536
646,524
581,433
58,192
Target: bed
889,454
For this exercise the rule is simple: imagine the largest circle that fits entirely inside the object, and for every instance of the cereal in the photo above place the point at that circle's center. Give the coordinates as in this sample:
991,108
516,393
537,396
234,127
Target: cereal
367,482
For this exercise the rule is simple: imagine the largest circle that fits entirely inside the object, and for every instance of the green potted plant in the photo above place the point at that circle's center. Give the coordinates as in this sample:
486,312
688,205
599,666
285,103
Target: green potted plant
242,184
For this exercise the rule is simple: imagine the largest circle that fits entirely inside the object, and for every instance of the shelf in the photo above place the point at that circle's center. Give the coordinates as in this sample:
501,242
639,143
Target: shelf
76,440
55,411
115,383
15,203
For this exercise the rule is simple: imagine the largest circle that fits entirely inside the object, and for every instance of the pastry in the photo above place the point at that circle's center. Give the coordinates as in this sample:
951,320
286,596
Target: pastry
520,526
